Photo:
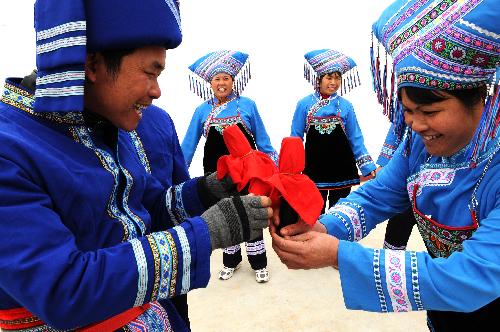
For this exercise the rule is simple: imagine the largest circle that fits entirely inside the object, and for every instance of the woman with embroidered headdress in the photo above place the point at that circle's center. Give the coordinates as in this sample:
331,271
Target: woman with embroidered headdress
445,95
329,125
219,78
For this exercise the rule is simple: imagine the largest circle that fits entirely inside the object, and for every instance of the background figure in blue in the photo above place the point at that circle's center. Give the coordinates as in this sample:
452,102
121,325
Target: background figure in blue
400,226
219,78
329,125
160,153
445,60
88,236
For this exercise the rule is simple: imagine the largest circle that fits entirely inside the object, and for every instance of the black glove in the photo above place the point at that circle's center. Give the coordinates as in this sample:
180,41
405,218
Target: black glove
212,190
235,220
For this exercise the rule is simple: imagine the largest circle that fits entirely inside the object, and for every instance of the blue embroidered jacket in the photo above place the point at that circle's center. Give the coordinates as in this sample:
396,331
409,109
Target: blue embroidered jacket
239,109
458,210
84,225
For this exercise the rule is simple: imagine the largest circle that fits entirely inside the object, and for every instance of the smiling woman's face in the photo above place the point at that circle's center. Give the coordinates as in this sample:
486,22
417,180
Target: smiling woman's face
222,86
445,126
330,83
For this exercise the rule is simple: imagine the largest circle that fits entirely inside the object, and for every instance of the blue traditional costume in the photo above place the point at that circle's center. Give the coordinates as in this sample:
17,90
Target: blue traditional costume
330,126
77,205
210,119
443,45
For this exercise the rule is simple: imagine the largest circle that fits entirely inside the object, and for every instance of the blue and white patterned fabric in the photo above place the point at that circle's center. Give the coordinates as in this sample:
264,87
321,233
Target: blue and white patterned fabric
67,30
389,147
234,63
327,61
447,45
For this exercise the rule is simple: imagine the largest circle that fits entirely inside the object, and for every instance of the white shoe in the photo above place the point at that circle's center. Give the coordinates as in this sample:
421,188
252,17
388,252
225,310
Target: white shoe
227,272
262,275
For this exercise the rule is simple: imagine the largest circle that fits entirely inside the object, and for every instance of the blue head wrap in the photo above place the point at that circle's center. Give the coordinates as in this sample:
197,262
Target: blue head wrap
67,30
327,61
445,45
234,63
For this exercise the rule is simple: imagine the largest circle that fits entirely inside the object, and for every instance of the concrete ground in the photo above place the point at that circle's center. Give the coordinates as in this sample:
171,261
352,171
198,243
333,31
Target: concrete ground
293,300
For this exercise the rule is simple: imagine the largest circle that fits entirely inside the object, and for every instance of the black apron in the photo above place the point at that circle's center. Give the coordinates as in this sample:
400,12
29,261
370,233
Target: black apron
326,136
215,146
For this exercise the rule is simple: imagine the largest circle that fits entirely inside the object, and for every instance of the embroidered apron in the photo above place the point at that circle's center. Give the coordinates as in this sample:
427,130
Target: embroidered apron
442,241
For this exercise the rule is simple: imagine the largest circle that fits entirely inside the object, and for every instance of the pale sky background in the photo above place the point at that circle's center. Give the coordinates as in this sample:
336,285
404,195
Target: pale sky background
276,34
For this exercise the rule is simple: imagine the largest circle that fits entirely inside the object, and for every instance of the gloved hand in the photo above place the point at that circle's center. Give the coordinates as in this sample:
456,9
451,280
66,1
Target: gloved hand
237,219
212,190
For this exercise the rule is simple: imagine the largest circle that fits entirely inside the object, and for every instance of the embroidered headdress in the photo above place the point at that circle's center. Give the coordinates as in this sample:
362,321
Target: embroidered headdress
234,63
67,30
446,45
320,62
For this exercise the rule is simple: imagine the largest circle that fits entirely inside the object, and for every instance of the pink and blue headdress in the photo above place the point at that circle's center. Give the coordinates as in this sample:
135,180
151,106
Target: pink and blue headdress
67,30
234,63
327,61
445,45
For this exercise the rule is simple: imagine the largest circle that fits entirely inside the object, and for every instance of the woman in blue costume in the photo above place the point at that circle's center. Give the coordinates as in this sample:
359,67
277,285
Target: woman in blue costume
445,55
220,78
89,236
400,226
329,125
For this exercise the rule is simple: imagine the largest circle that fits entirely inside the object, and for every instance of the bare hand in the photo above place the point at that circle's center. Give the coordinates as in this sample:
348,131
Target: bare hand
310,250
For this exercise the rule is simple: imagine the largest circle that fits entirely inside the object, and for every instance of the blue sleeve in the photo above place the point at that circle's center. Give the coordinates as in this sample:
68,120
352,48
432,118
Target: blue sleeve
260,134
47,272
171,206
355,137
388,148
395,280
193,135
299,121
353,217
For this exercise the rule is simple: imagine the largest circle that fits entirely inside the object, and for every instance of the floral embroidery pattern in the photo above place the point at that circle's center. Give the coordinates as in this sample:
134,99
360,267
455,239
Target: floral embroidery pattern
440,240
356,217
395,277
427,24
326,125
431,177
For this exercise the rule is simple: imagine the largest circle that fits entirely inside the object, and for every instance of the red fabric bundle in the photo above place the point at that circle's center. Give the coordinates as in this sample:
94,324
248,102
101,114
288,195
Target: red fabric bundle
243,163
255,169
297,189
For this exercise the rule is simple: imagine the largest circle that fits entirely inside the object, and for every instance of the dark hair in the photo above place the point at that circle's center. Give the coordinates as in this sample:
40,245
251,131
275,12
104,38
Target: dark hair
113,60
468,97
331,73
